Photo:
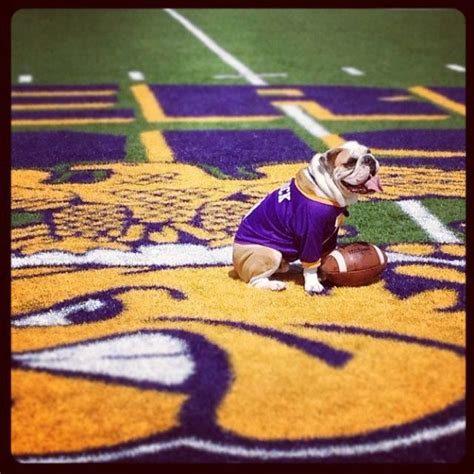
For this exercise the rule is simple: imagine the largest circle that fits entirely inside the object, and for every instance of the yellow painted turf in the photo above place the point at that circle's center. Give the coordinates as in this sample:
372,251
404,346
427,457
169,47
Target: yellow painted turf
375,389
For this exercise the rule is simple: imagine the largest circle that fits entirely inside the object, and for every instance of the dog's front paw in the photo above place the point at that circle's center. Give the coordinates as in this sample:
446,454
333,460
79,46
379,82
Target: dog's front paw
313,288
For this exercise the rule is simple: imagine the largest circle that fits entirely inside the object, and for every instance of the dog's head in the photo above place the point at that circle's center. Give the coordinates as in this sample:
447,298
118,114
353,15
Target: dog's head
353,169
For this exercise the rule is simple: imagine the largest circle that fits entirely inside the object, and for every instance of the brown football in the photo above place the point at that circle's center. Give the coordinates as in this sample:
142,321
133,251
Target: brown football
354,264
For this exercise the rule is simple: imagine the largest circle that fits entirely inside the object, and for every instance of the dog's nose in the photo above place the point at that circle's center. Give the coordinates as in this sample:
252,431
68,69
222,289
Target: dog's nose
370,160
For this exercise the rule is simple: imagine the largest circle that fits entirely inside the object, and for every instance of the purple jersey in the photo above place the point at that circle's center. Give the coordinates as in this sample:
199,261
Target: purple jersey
300,226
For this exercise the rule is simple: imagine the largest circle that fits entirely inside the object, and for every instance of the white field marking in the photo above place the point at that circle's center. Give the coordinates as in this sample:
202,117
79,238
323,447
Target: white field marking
25,78
293,111
167,255
139,357
136,75
424,435
273,74
233,62
352,71
396,257
428,222
304,120
228,76
171,255
456,67
262,74
57,317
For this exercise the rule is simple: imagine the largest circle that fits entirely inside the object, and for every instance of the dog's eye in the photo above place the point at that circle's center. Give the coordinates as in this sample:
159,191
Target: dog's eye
350,162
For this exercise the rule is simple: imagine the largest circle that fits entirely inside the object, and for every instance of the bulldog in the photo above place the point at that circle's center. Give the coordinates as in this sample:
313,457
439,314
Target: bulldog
300,221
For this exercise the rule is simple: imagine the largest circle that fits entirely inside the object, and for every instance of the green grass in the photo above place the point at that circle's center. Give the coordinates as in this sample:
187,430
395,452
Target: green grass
73,46
382,222
448,211
21,219
63,174
214,171
393,48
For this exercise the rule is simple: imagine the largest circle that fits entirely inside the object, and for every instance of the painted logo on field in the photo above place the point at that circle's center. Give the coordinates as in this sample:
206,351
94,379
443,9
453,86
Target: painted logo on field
226,365
127,315
153,203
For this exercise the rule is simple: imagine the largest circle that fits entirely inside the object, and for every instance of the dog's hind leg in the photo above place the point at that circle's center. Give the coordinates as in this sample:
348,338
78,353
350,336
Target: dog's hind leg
284,266
267,284
256,263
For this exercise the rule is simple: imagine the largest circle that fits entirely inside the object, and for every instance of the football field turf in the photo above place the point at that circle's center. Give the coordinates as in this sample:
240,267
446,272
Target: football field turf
140,138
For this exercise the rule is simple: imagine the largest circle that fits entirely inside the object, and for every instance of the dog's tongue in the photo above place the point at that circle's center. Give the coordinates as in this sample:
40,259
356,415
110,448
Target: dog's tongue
373,184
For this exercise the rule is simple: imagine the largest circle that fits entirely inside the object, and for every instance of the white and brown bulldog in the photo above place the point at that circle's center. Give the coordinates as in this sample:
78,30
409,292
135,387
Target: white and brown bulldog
300,220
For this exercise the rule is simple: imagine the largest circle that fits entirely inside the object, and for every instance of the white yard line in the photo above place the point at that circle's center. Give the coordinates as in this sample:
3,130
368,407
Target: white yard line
352,71
273,74
25,78
262,74
428,222
304,120
228,76
233,62
456,67
136,75
292,111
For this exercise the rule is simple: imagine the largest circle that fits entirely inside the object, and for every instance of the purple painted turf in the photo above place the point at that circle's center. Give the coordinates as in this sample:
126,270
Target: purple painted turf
413,139
44,149
458,94
459,226
444,164
235,152
71,114
351,100
64,87
64,100
405,286
209,100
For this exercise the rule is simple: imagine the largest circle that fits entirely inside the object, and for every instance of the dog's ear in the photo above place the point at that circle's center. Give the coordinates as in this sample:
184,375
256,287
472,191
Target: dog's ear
332,155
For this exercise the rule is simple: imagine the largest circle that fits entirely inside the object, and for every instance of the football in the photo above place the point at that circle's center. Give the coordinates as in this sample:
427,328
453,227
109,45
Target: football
356,264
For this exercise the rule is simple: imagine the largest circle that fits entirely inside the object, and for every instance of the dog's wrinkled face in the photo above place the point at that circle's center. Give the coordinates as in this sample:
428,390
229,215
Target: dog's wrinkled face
353,168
